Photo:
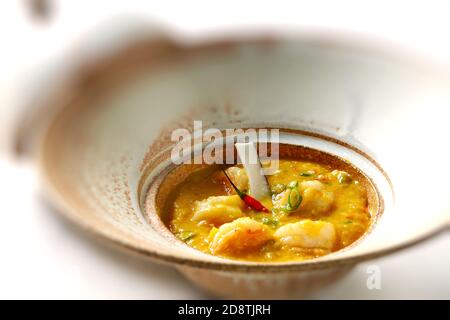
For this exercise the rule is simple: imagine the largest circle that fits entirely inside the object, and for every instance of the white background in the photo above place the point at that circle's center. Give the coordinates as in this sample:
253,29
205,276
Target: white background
43,256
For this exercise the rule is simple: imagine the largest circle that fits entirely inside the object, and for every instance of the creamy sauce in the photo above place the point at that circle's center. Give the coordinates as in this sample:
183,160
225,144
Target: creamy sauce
314,210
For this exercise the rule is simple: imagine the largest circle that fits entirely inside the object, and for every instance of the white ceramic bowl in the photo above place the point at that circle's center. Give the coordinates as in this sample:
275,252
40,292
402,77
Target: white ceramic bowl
107,137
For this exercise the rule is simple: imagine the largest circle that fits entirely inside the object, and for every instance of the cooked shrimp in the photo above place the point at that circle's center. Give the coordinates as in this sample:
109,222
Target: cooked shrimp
316,199
307,234
241,235
239,177
218,209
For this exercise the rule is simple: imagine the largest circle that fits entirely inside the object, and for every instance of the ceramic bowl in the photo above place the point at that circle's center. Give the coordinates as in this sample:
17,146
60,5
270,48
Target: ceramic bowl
106,140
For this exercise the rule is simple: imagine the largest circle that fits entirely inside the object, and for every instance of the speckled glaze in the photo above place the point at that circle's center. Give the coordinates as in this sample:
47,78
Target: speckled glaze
107,139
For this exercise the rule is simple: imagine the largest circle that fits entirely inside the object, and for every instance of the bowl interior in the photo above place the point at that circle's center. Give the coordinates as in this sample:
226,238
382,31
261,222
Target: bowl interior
159,191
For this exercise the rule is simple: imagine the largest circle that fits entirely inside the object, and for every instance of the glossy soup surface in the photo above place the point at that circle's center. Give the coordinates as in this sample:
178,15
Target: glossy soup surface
314,210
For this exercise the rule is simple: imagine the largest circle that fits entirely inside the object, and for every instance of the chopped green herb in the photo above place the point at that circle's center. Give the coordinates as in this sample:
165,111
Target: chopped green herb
186,235
292,184
347,222
294,199
278,188
342,176
269,221
305,174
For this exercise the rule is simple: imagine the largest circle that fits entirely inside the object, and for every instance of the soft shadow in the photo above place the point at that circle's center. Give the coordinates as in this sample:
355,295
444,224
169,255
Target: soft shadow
130,262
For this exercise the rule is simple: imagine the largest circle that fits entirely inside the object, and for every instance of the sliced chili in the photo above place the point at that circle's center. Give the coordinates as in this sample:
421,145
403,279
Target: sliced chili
249,201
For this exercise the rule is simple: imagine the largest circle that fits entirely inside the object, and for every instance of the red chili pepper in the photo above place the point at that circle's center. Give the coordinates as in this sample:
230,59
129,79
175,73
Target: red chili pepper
249,201
253,203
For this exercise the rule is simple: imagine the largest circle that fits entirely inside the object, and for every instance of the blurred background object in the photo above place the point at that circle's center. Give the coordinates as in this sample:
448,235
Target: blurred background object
41,10
46,41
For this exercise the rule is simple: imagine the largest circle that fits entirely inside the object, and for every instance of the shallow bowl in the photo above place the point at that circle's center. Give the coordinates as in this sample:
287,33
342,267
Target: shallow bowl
106,138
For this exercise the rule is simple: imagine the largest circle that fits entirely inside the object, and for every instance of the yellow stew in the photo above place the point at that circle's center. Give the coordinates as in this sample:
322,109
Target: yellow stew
314,210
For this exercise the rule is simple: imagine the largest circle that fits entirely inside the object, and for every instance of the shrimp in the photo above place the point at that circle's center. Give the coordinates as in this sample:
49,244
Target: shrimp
218,209
240,236
237,175
307,234
316,199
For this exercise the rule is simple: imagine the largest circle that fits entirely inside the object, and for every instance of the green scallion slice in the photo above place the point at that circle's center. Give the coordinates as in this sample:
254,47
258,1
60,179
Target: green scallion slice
294,199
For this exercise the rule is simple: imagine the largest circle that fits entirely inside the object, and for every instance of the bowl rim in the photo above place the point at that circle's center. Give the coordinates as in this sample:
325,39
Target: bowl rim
346,41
